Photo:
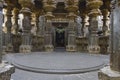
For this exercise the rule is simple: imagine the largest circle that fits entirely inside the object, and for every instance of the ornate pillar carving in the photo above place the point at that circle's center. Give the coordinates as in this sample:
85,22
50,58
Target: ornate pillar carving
37,15
26,23
49,6
94,6
112,72
38,39
5,69
105,14
72,9
15,26
83,16
8,24
16,38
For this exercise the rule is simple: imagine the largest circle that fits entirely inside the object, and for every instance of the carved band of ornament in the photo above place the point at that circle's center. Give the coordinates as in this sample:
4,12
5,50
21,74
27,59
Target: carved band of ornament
94,13
26,3
105,12
94,4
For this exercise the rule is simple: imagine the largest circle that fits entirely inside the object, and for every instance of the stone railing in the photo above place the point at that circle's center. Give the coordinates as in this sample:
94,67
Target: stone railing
82,43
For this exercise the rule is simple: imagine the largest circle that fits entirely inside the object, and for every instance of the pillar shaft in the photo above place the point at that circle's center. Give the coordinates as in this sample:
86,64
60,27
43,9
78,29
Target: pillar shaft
26,24
83,24
72,8
8,24
94,6
15,23
49,6
105,14
1,22
37,15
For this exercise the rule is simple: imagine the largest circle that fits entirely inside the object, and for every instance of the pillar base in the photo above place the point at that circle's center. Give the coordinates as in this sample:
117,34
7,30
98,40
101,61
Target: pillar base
9,48
71,48
107,74
6,71
25,48
49,48
94,49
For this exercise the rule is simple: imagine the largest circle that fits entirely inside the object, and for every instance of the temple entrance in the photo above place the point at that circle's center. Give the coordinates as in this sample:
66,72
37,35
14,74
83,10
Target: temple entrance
60,37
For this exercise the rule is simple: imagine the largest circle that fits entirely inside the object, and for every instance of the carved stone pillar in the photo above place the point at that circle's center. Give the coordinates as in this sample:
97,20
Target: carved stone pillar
5,69
94,5
15,26
112,72
26,23
71,7
49,6
105,14
71,46
83,24
37,15
38,39
16,38
8,24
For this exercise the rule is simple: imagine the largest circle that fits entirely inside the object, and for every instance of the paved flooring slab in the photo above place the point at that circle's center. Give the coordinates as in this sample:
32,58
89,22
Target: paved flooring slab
55,58
57,62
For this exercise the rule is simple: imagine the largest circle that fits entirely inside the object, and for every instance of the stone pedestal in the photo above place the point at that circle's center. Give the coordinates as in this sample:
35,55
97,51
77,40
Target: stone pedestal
16,42
71,41
37,43
82,43
6,71
108,74
103,43
105,19
48,42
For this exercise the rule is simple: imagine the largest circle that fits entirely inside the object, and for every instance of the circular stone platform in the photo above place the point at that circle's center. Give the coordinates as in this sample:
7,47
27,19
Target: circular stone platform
57,63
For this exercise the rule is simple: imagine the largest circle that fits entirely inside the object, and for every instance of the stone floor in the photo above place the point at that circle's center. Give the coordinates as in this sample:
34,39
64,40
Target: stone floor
59,57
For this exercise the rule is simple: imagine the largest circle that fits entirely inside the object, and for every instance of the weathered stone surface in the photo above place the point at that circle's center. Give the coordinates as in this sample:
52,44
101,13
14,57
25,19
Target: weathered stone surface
115,62
82,43
6,71
107,74
103,43
37,43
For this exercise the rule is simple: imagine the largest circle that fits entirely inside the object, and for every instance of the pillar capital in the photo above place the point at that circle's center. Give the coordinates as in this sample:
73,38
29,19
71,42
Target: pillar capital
49,6
94,6
26,3
16,11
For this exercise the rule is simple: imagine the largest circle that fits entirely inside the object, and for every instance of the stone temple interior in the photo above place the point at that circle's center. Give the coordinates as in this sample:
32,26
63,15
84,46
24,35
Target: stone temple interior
59,39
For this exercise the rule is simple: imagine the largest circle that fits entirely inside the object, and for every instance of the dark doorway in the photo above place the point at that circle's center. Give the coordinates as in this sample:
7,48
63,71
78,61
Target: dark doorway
60,37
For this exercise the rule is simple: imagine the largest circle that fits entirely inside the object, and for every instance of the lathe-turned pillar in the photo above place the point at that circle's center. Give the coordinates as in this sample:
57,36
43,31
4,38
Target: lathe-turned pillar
94,6
49,6
71,7
8,25
26,23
